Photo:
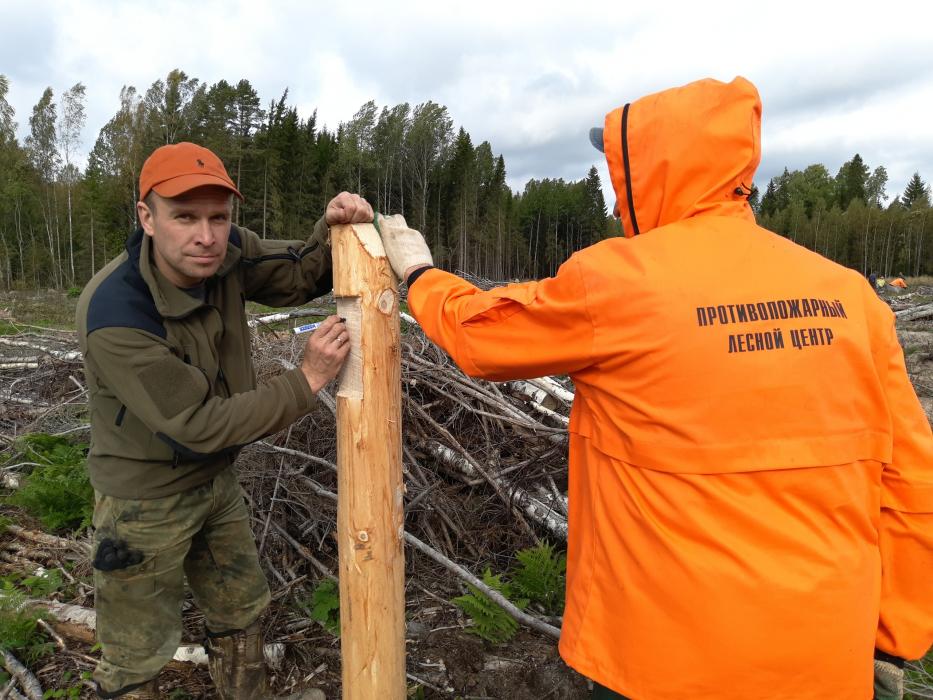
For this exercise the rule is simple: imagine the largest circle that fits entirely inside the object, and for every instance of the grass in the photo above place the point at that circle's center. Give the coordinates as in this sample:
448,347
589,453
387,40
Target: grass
48,308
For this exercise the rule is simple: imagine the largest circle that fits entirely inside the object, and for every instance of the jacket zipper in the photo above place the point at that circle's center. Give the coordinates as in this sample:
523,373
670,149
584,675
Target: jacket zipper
223,379
292,254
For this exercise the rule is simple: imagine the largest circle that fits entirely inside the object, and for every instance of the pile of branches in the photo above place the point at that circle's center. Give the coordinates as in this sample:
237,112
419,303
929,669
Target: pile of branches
484,466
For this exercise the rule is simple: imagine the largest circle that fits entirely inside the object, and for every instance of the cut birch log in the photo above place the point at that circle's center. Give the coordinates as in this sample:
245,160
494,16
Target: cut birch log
76,622
914,313
23,676
24,401
83,548
554,388
538,510
536,398
370,520
29,363
65,355
10,692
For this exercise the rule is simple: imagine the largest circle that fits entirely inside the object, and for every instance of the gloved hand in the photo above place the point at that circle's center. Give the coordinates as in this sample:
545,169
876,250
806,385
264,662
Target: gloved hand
114,554
889,677
405,247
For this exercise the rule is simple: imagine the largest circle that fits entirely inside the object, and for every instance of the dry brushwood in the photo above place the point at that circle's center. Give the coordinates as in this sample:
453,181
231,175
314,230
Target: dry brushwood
498,448
485,473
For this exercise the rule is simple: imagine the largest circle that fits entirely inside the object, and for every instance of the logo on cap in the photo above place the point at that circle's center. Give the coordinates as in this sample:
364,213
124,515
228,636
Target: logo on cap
200,162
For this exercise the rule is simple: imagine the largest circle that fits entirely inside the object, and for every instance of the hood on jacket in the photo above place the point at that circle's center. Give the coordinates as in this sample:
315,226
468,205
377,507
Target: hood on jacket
684,151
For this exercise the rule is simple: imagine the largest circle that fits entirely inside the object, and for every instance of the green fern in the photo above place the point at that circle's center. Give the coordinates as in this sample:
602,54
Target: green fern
57,491
19,632
39,585
541,577
489,620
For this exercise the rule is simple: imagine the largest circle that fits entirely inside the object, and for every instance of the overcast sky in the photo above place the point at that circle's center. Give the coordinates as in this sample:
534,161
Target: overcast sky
529,77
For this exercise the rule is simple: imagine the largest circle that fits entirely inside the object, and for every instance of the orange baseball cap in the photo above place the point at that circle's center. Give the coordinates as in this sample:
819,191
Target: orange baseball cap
179,167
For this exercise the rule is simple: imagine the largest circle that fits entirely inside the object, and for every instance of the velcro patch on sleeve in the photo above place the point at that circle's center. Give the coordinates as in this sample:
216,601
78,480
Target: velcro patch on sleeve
173,386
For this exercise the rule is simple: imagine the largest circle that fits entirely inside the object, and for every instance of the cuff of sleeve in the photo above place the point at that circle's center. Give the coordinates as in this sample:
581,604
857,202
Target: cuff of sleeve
295,380
888,658
413,277
321,232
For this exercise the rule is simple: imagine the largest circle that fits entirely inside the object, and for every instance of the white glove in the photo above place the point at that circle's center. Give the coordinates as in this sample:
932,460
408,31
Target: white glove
405,247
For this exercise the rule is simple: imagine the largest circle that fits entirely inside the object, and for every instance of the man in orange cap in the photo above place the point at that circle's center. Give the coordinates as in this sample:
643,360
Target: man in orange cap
751,473
173,396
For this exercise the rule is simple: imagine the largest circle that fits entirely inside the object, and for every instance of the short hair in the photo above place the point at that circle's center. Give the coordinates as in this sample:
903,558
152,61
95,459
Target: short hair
150,201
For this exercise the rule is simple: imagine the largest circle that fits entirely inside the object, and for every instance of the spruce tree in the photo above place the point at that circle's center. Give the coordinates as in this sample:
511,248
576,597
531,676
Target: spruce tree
916,194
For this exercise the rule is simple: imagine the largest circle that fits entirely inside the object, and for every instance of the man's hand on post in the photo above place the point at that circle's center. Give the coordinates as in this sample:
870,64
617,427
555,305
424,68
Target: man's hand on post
325,352
406,248
347,208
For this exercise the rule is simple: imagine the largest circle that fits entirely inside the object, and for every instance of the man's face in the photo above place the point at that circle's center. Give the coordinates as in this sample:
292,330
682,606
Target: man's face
189,233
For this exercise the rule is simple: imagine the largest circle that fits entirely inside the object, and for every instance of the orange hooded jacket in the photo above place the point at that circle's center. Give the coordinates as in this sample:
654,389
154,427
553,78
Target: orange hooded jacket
751,473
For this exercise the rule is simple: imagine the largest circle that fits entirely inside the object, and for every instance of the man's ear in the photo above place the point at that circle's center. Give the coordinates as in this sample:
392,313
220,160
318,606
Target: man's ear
145,215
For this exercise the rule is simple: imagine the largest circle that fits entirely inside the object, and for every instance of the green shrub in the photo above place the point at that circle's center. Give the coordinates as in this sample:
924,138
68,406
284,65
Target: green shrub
37,585
489,620
69,692
180,694
541,577
74,292
19,633
58,490
324,606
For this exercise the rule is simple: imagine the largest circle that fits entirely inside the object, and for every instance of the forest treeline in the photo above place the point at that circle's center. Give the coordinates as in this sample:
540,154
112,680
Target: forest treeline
59,223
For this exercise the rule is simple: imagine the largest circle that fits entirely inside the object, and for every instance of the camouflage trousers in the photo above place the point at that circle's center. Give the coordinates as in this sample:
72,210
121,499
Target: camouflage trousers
202,535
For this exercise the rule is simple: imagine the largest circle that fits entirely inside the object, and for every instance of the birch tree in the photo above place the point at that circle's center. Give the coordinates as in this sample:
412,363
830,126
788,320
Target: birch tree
69,140
43,153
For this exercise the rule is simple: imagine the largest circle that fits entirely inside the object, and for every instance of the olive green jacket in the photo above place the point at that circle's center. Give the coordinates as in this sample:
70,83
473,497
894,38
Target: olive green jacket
172,389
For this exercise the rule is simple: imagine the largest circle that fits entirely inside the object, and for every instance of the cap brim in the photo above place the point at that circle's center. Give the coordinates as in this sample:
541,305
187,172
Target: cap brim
185,183
596,138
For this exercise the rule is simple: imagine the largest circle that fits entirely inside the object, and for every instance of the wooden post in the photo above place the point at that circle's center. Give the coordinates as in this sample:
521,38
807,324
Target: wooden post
370,518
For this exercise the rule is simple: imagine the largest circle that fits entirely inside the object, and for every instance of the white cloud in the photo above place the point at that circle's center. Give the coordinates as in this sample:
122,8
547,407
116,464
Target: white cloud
530,77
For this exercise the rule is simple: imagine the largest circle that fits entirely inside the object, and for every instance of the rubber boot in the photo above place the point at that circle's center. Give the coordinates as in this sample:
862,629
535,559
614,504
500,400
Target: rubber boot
146,691
238,669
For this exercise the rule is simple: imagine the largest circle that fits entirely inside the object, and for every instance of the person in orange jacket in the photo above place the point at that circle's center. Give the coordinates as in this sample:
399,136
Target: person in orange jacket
751,473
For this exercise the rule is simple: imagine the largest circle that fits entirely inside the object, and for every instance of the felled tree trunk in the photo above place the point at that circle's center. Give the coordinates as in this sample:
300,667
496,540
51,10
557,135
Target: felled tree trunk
369,459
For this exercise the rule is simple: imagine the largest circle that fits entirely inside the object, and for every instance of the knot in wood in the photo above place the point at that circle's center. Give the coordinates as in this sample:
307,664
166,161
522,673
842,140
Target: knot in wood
386,301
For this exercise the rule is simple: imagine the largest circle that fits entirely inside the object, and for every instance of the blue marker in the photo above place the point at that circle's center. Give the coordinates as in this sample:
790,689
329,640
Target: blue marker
307,328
